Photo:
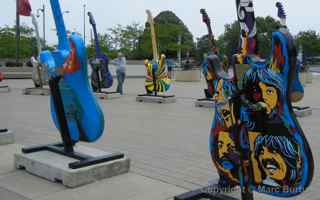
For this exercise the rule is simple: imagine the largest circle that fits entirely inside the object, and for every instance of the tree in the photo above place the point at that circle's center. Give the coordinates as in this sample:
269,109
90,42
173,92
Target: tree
310,41
168,28
8,42
229,42
124,38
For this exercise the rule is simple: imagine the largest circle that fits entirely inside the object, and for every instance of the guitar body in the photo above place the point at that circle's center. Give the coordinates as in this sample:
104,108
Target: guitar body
254,123
84,116
157,79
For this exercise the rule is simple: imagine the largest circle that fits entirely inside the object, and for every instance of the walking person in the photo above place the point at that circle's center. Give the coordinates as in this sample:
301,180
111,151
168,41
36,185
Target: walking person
120,63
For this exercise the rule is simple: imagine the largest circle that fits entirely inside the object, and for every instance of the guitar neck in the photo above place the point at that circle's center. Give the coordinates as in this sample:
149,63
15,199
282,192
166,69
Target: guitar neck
36,28
60,26
211,37
96,40
153,37
248,33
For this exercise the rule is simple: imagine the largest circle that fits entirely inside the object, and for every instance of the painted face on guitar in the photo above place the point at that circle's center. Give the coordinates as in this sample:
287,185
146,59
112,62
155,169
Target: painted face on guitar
226,146
269,96
279,159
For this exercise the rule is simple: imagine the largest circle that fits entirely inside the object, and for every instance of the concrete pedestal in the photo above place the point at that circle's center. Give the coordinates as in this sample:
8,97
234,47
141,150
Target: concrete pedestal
6,137
205,103
54,167
4,88
106,95
36,91
156,99
303,112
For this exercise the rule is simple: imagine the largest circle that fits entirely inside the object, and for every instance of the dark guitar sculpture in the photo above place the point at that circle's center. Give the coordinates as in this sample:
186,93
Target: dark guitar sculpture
256,141
101,76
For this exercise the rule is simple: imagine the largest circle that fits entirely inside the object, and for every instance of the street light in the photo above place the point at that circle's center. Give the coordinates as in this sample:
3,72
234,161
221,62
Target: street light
43,10
84,24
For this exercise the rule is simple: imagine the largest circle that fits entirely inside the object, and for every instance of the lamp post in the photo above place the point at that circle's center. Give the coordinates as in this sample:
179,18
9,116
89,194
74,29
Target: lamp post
84,24
43,10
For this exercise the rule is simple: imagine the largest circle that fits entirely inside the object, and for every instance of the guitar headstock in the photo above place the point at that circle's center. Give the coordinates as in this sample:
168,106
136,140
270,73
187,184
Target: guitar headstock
91,19
150,18
281,11
205,17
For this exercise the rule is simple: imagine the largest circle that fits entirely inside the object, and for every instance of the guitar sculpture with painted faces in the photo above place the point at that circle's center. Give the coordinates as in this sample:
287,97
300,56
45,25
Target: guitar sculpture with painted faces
68,65
157,79
100,66
255,139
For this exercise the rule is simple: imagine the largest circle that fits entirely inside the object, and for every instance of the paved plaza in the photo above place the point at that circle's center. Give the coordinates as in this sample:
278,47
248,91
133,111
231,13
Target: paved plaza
167,144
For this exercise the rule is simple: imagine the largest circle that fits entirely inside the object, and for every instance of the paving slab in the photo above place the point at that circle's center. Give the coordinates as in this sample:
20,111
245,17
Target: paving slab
28,185
126,187
55,167
9,195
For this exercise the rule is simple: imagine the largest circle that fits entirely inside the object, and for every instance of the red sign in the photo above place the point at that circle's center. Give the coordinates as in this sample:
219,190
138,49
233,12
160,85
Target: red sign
24,7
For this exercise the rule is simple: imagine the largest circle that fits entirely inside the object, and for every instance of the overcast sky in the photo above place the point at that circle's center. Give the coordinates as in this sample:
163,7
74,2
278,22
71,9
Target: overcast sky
302,15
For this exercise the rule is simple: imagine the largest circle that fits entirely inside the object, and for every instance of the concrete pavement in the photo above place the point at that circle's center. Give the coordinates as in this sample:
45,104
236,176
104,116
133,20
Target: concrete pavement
167,144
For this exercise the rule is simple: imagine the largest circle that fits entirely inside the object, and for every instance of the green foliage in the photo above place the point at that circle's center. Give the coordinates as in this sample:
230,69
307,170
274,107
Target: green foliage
229,41
124,38
8,42
310,41
168,27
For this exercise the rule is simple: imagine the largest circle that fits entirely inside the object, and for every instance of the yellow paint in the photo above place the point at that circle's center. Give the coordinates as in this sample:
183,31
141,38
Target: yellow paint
225,144
269,95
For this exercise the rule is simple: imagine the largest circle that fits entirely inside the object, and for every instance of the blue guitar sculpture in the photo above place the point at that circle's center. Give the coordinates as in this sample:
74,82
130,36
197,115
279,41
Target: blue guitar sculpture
256,141
100,66
68,64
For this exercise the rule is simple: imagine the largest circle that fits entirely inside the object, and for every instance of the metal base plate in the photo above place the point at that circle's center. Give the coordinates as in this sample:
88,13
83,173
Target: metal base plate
36,91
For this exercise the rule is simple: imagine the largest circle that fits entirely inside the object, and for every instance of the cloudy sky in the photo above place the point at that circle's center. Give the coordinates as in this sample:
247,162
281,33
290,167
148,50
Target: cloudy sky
302,15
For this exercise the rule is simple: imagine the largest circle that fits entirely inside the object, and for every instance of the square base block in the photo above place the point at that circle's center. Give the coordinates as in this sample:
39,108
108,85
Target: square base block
6,137
36,91
303,112
4,89
156,99
107,95
54,167
204,103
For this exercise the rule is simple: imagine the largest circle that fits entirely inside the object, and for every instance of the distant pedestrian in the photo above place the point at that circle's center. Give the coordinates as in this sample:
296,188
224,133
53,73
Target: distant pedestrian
120,63
170,65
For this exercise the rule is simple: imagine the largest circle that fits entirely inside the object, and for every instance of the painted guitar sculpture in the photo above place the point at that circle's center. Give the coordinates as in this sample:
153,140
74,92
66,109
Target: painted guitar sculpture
157,79
212,60
68,64
255,139
101,69
39,73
